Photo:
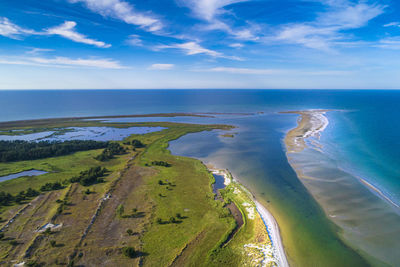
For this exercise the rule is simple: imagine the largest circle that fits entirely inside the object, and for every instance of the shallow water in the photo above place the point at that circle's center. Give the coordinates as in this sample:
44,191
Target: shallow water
22,174
84,133
219,183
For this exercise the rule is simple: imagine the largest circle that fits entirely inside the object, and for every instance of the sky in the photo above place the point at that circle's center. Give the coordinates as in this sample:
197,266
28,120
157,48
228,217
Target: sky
145,44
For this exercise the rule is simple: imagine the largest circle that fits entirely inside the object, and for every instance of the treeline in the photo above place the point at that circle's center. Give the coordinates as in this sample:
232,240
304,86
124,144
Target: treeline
92,176
24,150
161,163
7,199
110,151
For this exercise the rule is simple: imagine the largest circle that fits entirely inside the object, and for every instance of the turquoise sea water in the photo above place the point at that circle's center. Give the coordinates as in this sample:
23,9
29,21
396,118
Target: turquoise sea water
361,139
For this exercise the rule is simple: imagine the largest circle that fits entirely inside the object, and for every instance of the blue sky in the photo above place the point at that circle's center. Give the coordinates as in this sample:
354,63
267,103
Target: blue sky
137,44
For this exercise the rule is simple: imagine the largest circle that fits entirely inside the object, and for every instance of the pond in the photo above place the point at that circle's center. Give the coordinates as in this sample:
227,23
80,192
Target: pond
22,174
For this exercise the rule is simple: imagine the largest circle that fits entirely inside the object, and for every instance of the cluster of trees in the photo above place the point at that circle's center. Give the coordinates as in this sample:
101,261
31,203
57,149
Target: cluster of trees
161,163
178,219
24,150
110,151
137,144
51,187
7,199
92,176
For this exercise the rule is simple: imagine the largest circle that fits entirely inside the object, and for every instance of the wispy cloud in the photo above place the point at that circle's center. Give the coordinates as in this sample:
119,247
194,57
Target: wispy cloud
253,71
35,51
329,26
63,62
193,48
161,66
134,40
67,30
211,10
123,11
389,43
11,30
236,45
392,24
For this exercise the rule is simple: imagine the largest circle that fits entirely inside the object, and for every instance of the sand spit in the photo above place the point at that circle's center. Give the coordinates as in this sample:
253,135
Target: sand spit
369,221
275,251
310,124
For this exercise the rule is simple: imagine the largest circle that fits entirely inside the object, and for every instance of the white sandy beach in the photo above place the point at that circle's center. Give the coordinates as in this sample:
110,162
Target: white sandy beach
268,219
274,233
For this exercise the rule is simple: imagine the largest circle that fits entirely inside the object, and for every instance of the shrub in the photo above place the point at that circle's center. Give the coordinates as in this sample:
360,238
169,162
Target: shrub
120,210
53,243
129,252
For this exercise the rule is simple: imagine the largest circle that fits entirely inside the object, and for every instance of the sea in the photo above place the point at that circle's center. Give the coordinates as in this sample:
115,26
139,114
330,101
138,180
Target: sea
361,142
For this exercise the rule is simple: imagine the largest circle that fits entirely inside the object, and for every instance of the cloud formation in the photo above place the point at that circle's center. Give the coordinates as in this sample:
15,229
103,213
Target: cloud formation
67,30
329,26
11,30
123,11
193,48
101,63
161,66
211,10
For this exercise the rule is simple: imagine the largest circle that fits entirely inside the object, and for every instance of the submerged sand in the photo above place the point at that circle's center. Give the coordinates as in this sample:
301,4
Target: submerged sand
368,220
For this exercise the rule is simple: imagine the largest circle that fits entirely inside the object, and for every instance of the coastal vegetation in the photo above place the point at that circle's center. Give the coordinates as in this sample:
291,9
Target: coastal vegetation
110,151
194,226
24,150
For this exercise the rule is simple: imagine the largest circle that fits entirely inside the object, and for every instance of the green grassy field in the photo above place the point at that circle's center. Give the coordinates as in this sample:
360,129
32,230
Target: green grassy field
193,224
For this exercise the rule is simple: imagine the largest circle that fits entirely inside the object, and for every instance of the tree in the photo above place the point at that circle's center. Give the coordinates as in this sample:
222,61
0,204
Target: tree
53,243
129,232
129,252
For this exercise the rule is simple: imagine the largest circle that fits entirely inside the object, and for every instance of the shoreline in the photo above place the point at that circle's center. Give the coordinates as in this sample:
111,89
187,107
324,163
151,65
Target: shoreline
312,123
271,225
352,203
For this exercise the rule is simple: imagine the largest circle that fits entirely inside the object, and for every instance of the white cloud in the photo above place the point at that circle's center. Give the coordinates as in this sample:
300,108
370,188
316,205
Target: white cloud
392,24
389,43
134,40
236,45
246,71
35,51
210,10
123,11
67,30
161,66
253,71
11,30
193,48
329,26
63,62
